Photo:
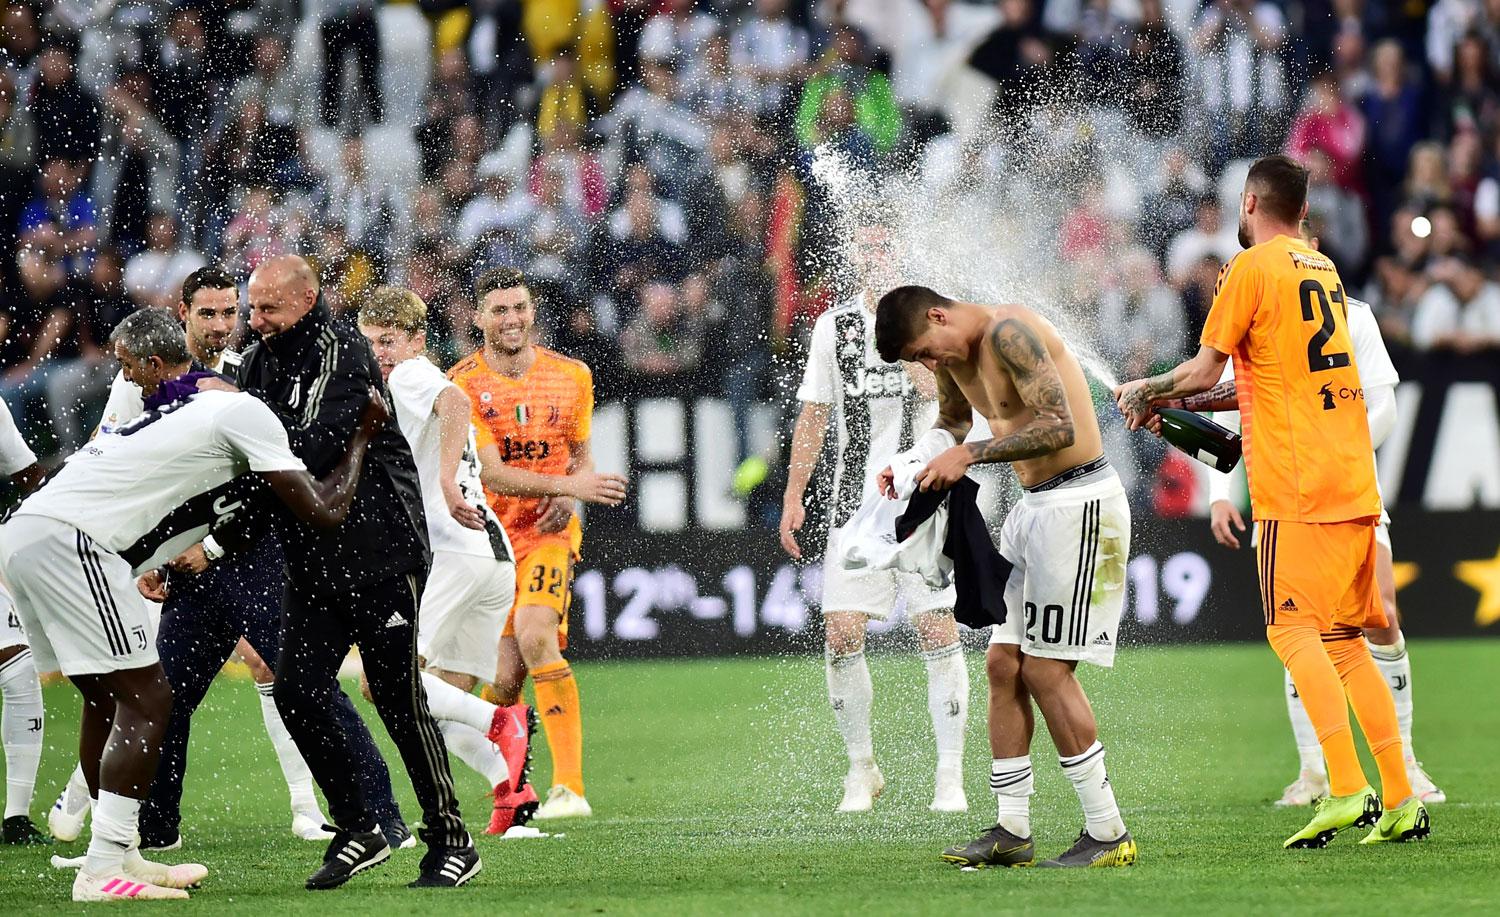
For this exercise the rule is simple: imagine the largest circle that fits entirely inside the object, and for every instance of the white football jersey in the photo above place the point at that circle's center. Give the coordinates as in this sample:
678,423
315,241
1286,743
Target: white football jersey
154,487
14,453
415,385
877,411
126,403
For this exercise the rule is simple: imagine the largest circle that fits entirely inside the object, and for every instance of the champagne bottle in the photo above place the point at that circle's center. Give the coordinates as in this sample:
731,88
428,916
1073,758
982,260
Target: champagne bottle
1201,438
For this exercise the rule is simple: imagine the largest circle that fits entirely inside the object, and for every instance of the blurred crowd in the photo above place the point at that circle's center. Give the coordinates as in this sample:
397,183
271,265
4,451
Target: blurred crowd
647,163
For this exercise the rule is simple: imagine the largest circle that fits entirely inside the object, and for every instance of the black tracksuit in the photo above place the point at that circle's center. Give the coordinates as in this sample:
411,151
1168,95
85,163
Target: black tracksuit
359,583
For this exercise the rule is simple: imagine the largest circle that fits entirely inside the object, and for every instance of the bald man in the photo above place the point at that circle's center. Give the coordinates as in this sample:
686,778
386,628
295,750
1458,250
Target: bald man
359,584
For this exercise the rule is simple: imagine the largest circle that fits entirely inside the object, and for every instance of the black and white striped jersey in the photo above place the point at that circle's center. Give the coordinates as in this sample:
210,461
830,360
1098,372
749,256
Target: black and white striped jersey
877,411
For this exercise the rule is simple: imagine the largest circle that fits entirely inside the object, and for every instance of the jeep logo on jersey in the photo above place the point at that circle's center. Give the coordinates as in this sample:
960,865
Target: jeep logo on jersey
225,510
529,449
890,382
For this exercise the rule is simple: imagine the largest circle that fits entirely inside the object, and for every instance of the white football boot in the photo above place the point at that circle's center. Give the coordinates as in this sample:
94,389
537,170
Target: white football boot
1421,784
563,803
948,793
308,826
119,887
66,817
181,875
861,785
1308,788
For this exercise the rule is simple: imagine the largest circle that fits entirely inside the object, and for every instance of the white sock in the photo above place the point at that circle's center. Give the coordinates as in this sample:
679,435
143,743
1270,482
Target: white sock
1012,783
456,705
1100,814
1309,750
948,702
475,749
850,693
299,779
77,789
21,730
1395,665
115,821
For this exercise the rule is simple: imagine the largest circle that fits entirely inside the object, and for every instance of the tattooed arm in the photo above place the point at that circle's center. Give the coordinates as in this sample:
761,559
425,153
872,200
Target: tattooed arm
1136,399
955,414
1222,397
1040,387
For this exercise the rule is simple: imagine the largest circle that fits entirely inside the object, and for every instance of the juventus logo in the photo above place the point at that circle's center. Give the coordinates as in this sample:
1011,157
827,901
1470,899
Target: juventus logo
294,399
953,708
34,724
1399,683
140,637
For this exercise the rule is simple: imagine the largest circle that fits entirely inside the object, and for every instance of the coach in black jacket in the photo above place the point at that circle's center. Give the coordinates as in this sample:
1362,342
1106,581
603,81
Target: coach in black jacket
359,583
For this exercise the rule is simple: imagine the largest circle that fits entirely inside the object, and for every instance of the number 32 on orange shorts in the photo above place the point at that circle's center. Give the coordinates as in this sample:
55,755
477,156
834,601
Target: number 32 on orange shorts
544,578
1319,574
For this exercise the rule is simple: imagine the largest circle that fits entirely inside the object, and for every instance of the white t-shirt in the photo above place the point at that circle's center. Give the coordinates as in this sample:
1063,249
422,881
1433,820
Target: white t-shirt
155,487
415,385
14,453
877,411
126,403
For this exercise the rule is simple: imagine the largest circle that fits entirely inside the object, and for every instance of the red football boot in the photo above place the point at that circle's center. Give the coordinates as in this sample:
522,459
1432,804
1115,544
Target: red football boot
512,809
511,729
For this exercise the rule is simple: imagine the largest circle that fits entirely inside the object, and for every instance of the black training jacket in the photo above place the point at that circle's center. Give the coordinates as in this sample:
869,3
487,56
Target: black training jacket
316,376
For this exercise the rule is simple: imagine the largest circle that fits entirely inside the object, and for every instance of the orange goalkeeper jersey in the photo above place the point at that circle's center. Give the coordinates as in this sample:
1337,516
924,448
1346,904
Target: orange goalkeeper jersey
1279,310
534,421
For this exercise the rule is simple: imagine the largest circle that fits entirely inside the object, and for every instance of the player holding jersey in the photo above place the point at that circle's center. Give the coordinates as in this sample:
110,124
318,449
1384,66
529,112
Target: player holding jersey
1280,309
875,410
1377,379
124,504
472,581
533,408
21,720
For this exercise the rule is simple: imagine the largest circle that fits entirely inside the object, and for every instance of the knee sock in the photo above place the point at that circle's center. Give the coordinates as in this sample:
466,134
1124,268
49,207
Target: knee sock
475,749
1012,783
1309,752
1395,666
948,702
299,779
21,730
115,819
850,693
456,705
1371,698
1101,816
1300,648
557,701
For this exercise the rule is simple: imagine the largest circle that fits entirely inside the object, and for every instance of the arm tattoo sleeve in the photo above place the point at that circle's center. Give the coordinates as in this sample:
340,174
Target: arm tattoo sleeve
1222,397
954,411
1041,389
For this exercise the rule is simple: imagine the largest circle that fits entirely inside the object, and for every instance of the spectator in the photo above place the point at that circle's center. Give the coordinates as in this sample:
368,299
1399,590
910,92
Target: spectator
770,52
138,165
185,79
663,341
257,231
502,64
844,69
1171,207
61,218
65,114
1208,236
678,36
1447,22
20,40
1243,78
565,100
348,197
1013,55
1395,112
742,285
928,47
1152,74
350,26
1332,127
1459,313
1337,217
154,277
1427,176
658,131
17,166
1140,319
1471,100
1393,297
1487,205
272,83
557,231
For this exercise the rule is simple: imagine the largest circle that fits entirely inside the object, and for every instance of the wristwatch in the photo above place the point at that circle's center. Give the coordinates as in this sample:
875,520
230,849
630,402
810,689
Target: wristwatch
211,549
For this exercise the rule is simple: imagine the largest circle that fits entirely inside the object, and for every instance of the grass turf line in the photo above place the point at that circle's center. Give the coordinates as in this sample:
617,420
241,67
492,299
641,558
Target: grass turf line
714,781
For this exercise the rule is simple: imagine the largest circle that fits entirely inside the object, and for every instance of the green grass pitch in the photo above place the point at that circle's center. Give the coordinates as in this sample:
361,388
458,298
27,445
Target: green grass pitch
714,783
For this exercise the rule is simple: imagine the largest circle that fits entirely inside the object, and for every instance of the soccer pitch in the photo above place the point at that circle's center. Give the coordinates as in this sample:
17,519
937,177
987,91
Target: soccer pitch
714,783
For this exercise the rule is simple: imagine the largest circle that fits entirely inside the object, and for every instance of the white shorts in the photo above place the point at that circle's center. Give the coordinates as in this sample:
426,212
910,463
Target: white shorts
77,601
464,606
1069,547
11,633
874,592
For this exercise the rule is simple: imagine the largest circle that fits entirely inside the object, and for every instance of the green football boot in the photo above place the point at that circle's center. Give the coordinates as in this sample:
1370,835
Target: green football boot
1335,813
1406,822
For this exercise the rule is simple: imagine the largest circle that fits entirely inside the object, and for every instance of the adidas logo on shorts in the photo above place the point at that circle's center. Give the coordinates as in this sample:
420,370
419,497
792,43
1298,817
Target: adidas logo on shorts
1102,639
1288,605
395,620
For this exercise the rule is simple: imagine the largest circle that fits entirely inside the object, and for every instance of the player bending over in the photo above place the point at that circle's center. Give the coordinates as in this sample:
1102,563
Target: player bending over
1377,379
472,582
874,409
1280,308
123,504
532,408
20,688
1067,541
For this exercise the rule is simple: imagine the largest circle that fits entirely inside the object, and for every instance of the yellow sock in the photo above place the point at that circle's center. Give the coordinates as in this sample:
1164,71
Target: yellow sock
1300,648
491,695
557,702
1376,713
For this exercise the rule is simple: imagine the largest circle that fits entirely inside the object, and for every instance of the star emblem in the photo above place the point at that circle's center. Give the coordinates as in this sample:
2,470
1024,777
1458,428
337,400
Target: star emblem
1484,577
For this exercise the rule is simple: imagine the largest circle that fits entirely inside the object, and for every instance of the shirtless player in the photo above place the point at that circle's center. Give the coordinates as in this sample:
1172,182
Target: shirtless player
1010,364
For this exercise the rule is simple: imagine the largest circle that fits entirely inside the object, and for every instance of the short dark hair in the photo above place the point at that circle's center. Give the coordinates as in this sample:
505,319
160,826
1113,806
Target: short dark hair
901,315
498,278
212,276
1280,185
147,333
